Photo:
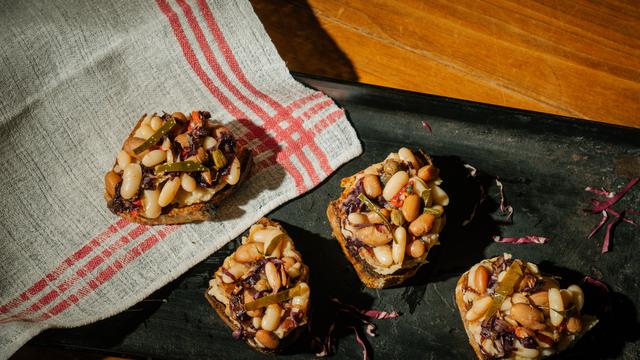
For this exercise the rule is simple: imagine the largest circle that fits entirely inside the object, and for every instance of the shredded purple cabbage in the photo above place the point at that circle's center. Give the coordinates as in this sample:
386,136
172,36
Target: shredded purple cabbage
196,136
376,314
482,197
604,207
603,220
350,317
529,239
504,207
426,125
237,333
596,283
621,216
227,144
605,204
361,342
148,178
325,342
119,204
600,192
254,275
229,274
236,307
351,203
501,333
297,316
609,234
501,264
529,342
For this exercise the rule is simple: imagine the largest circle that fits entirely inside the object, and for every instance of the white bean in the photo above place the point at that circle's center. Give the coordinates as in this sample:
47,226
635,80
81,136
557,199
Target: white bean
154,158
406,155
249,252
187,182
150,204
419,186
577,296
398,247
393,156
276,251
144,132
123,159
234,172
506,305
147,119
383,255
556,306
519,298
397,181
156,123
478,308
302,299
357,218
209,142
131,178
267,339
294,271
166,144
236,269
439,196
265,235
256,321
273,276
261,285
271,318
169,191
283,276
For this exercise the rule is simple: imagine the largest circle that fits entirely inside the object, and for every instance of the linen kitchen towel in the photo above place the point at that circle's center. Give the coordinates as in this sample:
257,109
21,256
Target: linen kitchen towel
75,76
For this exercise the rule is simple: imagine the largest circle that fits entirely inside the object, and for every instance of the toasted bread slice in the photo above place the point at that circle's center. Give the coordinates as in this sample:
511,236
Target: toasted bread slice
386,252
196,194
535,320
247,276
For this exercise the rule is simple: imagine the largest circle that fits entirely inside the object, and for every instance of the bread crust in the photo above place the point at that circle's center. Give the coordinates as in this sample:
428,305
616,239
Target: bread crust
367,274
204,211
369,277
290,338
462,308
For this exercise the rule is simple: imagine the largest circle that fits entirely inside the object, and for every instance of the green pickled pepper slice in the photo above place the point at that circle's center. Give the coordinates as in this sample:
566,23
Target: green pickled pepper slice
505,288
274,243
274,298
182,166
373,207
159,134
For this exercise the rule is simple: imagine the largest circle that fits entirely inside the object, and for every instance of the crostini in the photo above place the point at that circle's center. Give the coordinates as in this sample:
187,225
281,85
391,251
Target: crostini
511,311
389,216
261,291
175,168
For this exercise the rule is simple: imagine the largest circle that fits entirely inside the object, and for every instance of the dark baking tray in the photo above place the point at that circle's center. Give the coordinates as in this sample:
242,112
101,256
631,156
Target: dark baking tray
545,162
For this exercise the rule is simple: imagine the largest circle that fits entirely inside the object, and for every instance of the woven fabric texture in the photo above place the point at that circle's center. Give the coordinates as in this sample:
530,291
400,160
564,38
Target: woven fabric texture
75,76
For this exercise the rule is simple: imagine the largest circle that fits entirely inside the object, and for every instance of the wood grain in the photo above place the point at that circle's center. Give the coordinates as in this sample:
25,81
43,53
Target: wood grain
575,58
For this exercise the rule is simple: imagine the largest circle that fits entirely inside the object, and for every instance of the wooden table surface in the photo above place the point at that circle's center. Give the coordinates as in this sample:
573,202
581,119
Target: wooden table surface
576,58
